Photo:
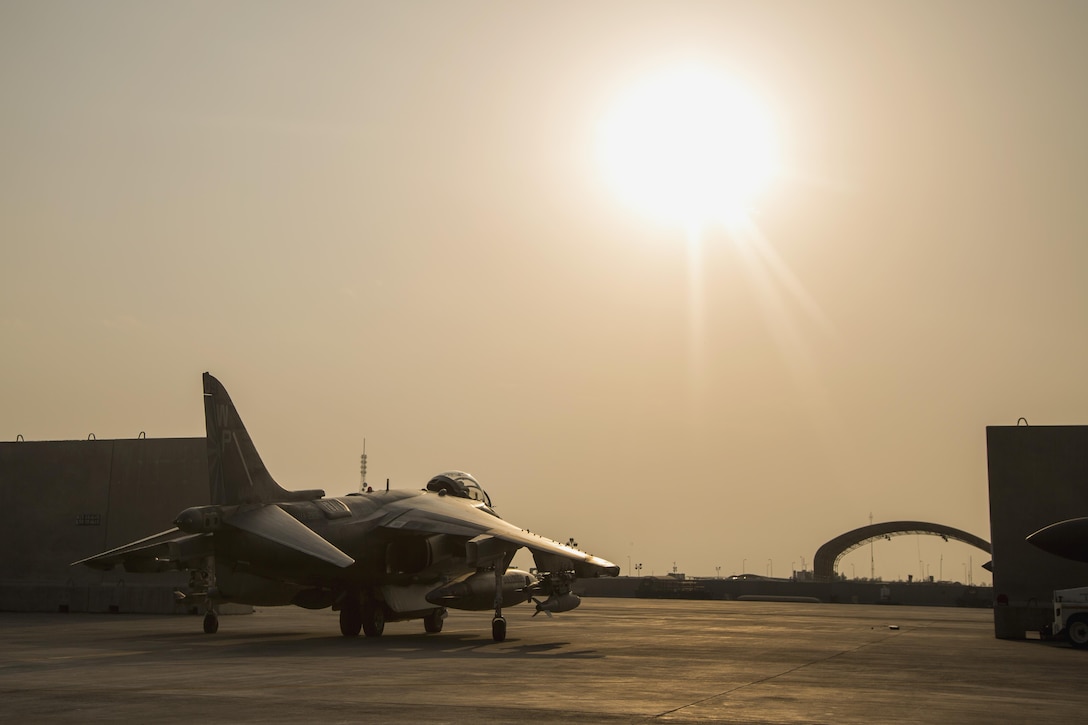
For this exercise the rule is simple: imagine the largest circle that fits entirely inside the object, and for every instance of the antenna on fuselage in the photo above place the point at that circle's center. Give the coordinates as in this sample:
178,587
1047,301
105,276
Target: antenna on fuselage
362,469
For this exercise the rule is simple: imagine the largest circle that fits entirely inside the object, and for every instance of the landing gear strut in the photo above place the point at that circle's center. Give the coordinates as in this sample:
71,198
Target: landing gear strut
201,584
498,624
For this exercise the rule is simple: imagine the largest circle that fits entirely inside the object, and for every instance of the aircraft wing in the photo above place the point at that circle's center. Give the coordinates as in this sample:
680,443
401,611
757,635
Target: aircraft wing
273,523
165,551
432,514
549,554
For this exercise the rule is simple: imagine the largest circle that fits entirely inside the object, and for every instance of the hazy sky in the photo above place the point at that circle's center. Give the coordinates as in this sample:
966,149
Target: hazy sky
388,220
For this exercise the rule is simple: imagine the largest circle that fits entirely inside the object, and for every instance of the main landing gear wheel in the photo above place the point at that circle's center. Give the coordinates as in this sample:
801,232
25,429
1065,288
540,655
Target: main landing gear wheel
351,618
211,622
373,618
1077,629
498,629
433,621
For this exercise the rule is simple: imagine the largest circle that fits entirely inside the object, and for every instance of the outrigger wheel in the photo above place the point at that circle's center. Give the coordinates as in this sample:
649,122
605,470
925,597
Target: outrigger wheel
498,629
211,622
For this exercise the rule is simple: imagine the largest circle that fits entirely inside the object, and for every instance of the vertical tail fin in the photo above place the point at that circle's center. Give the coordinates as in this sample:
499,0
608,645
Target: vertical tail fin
236,473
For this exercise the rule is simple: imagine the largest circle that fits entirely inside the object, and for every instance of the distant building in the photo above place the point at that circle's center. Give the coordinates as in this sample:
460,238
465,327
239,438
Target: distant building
65,500
1038,476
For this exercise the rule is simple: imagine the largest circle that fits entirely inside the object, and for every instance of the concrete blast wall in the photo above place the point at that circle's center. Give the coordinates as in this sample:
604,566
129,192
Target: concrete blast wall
61,501
1038,475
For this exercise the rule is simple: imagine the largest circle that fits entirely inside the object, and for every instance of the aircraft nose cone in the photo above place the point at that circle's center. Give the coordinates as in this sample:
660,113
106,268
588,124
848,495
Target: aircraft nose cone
1068,539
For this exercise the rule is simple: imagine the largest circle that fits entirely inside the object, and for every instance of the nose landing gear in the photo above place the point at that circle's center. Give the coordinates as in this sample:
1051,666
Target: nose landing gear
498,624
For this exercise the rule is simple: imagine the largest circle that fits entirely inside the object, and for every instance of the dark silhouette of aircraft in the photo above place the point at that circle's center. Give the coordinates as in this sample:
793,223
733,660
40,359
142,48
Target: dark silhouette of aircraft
1067,539
376,556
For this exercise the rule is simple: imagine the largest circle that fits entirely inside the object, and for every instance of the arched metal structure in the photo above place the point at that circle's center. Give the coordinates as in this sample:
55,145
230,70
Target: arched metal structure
828,556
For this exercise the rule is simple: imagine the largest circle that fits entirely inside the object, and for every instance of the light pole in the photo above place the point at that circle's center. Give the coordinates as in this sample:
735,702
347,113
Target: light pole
743,566
638,568
853,572
770,567
718,569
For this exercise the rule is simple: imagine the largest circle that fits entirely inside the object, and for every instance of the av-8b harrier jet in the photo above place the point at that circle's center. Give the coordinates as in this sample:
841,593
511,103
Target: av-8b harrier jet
377,556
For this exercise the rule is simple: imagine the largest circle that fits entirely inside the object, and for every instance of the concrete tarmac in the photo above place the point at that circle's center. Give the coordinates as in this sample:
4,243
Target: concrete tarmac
611,661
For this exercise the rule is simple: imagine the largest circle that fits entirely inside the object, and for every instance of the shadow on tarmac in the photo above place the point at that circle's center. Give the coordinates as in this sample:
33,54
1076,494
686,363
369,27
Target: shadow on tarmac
303,644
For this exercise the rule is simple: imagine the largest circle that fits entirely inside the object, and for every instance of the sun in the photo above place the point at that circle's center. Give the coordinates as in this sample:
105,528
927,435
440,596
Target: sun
690,146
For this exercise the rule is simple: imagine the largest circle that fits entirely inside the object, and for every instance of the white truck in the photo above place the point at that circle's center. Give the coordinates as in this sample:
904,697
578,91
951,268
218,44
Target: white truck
1071,616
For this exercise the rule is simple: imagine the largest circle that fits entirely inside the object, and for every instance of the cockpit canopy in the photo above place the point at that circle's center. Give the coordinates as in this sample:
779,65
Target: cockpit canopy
459,483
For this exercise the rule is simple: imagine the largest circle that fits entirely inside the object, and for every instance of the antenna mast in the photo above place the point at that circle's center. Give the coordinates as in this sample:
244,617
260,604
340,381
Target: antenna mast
362,469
